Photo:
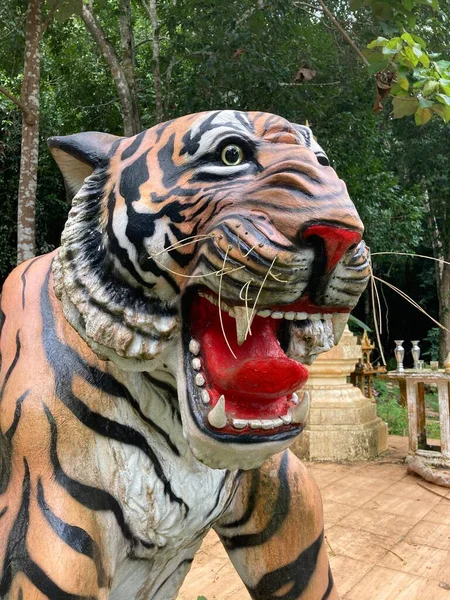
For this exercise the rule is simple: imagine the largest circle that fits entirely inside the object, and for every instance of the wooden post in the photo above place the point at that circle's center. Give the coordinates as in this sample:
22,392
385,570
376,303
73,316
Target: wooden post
444,417
421,416
411,395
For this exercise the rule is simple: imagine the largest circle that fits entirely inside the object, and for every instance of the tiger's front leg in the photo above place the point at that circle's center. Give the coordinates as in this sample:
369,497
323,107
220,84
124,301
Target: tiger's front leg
273,533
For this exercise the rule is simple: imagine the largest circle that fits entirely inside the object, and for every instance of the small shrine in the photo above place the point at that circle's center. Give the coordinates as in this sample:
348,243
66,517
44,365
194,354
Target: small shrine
364,372
342,423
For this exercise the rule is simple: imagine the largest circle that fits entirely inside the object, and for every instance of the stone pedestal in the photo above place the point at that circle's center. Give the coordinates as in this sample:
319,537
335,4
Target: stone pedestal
342,423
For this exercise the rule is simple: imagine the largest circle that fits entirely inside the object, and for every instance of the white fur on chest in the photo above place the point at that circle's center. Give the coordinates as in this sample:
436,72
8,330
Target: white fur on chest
169,511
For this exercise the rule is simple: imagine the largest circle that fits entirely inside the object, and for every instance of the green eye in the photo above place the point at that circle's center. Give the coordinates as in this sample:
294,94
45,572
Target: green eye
232,155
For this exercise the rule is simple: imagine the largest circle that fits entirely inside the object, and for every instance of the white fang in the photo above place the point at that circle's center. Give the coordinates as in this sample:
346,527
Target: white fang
216,416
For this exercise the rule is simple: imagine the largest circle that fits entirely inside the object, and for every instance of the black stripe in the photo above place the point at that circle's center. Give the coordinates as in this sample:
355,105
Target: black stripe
279,514
2,320
75,537
3,511
218,495
187,561
133,147
252,496
18,411
65,363
24,279
44,584
298,573
91,497
11,366
120,253
330,585
18,559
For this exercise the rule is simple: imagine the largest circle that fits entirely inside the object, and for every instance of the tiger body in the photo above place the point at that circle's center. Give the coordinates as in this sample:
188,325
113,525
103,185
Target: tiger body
111,471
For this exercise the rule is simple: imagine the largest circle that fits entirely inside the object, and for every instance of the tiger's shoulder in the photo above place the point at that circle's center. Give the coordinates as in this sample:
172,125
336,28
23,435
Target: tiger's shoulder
21,293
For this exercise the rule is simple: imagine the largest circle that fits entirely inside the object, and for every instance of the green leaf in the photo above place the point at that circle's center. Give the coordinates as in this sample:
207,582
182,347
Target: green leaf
424,59
396,90
417,50
422,116
443,64
378,66
430,87
359,323
443,98
409,58
422,43
387,50
201,598
403,83
444,84
408,39
423,103
404,107
442,111
380,41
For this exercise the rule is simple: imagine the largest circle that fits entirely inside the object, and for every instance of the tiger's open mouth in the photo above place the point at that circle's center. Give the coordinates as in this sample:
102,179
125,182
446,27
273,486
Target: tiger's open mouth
243,383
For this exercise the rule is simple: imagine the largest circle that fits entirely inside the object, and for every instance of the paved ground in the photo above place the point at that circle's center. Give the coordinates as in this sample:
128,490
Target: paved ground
388,536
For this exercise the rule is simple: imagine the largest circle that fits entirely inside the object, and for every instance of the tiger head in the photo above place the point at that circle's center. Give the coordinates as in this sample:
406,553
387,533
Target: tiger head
223,248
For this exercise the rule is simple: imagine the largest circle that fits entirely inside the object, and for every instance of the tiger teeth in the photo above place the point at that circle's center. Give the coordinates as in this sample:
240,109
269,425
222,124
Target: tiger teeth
243,317
194,347
199,380
300,412
339,321
196,364
205,396
216,416
241,314
264,424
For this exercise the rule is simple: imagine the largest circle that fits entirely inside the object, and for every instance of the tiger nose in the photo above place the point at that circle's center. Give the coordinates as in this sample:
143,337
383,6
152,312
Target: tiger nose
336,241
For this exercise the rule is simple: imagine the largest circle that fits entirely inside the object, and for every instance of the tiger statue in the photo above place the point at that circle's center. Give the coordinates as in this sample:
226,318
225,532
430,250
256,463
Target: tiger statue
153,365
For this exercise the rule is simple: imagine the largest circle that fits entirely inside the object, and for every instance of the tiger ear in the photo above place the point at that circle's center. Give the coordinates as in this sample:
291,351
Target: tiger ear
311,143
79,155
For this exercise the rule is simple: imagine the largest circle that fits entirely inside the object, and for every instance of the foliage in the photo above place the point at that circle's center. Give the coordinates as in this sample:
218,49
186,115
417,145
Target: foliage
421,85
390,410
432,339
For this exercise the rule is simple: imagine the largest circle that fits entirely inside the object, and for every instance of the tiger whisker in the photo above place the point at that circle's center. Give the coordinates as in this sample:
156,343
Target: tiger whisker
239,247
216,273
193,239
246,299
277,279
411,301
260,290
375,297
440,260
220,310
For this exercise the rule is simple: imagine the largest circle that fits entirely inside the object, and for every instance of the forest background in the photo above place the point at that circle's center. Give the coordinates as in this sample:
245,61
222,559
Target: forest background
124,65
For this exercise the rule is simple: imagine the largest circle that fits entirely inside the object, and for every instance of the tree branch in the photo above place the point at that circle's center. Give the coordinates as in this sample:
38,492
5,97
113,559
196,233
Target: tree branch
13,99
110,56
26,113
51,14
150,7
342,31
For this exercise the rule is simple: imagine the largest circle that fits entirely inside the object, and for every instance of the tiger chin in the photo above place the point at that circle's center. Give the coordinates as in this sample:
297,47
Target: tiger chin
219,252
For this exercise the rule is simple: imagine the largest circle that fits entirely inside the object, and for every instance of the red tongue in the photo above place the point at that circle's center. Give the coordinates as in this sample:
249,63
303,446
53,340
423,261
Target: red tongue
260,368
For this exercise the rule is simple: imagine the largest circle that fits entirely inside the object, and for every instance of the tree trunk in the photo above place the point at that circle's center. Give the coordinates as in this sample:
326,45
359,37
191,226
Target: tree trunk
26,210
150,7
128,58
444,308
117,72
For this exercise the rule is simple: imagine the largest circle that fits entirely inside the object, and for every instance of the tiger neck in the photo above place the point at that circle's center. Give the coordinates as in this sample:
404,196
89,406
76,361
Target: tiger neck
123,323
